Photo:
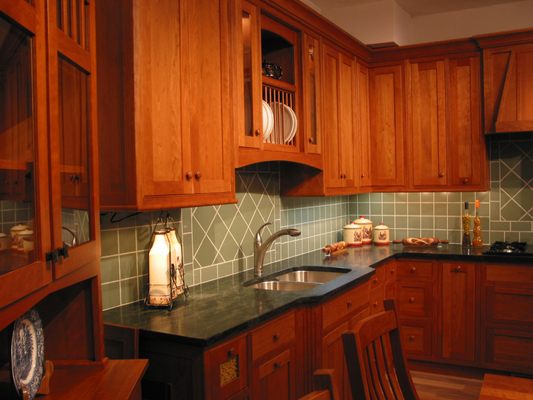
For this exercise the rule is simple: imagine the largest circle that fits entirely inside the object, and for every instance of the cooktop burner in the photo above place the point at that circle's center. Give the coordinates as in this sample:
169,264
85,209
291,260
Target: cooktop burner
502,248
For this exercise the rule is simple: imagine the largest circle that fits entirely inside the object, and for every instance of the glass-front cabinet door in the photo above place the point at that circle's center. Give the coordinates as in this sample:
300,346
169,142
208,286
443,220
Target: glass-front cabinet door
24,191
72,133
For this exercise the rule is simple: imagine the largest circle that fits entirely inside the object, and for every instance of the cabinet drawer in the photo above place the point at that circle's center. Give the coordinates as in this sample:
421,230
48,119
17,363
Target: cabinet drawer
509,349
345,304
509,273
415,270
414,299
273,335
377,296
226,369
416,338
379,277
505,304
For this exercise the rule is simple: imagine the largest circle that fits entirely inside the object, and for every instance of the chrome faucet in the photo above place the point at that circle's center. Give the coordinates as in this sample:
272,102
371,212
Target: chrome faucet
261,248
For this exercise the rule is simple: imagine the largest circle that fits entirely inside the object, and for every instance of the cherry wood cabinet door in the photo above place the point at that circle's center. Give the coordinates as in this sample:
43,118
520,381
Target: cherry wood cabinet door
458,309
274,377
362,156
333,358
311,93
347,119
466,142
426,123
387,171
330,108
24,170
508,88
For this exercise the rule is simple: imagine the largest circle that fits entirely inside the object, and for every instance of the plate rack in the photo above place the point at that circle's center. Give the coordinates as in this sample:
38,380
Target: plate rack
275,97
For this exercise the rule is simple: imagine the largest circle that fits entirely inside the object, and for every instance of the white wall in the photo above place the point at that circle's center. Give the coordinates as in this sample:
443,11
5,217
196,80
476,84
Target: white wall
385,21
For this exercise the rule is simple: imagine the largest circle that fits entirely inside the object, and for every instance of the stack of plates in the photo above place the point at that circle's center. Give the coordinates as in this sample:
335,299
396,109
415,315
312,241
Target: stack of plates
268,120
286,122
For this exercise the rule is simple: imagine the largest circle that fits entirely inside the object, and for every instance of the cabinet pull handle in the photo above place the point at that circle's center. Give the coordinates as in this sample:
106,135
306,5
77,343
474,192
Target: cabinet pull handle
311,140
411,299
188,175
257,132
411,338
311,52
275,337
413,270
197,175
231,353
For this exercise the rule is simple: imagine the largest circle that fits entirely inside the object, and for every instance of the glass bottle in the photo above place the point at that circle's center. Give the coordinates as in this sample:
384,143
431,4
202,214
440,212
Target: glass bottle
477,241
466,227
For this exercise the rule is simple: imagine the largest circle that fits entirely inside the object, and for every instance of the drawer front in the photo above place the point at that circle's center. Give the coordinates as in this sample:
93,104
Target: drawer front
509,349
343,305
415,270
416,338
273,335
379,277
507,305
509,273
226,369
414,300
377,296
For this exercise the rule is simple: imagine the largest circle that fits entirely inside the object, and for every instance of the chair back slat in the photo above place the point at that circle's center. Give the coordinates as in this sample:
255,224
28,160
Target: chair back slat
376,365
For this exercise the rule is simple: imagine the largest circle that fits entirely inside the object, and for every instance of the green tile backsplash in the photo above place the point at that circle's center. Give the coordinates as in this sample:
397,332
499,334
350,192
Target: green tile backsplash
218,240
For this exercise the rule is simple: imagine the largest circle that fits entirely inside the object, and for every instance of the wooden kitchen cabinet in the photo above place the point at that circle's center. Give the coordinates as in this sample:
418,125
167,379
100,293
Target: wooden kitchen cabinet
507,317
387,159
362,149
459,304
426,123
312,93
507,81
339,121
166,125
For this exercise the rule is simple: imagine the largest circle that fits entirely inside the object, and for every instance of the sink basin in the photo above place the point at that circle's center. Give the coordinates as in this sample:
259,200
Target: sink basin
284,286
309,276
299,278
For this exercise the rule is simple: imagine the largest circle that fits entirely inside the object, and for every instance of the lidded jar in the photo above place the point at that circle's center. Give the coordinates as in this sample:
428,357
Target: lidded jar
353,234
381,235
366,226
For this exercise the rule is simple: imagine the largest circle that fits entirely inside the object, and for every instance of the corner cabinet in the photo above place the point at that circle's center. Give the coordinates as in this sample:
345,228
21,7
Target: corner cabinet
166,121
508,81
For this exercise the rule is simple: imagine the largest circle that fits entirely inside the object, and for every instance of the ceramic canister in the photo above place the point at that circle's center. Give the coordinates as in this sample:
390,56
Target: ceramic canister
366,225
381,235
5,241
25,235
353,235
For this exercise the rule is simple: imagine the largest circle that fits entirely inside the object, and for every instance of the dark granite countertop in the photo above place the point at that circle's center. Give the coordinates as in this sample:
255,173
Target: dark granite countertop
215,310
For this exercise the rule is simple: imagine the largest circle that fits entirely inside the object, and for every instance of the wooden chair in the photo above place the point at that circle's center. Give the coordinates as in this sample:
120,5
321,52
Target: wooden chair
376,364
325,386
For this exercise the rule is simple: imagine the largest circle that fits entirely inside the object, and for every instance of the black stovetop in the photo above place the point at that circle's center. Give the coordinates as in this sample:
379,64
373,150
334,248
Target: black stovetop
510,248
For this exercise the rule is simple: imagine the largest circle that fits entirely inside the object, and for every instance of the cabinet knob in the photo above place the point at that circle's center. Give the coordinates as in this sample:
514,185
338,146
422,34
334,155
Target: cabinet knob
375,281
257,132
277,365
413,270
466,181
362,175
392,272
275,337
441,174
411,338
311,52
231,353
458,269
197,175
348,304
188,175
312,140
375,304
411,299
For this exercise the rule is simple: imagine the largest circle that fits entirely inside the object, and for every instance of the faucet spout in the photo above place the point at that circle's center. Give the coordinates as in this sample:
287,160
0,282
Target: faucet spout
261,248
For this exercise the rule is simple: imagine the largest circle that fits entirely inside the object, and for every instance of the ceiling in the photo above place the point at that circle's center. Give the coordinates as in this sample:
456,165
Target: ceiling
417,7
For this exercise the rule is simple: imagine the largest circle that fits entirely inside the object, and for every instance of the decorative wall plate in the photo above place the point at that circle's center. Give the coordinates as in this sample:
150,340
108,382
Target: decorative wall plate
27,353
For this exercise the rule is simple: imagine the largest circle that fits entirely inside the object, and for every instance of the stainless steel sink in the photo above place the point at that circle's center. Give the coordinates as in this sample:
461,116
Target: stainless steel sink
300,278
309,276
284,286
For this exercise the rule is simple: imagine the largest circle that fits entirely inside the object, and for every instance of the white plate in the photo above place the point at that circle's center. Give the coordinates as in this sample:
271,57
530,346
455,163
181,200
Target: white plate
295,126
268,120
284,121
27,353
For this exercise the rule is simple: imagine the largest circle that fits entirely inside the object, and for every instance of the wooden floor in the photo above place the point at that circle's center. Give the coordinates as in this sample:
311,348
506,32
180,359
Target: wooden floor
431,386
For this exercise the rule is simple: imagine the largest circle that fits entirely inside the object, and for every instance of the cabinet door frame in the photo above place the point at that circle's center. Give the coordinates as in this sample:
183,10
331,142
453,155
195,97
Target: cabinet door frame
37,274
60,43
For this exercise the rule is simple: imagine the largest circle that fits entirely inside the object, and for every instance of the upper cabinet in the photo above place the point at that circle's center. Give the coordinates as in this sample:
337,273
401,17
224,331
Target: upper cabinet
48,174
426,122
387,158
275,121
167,118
